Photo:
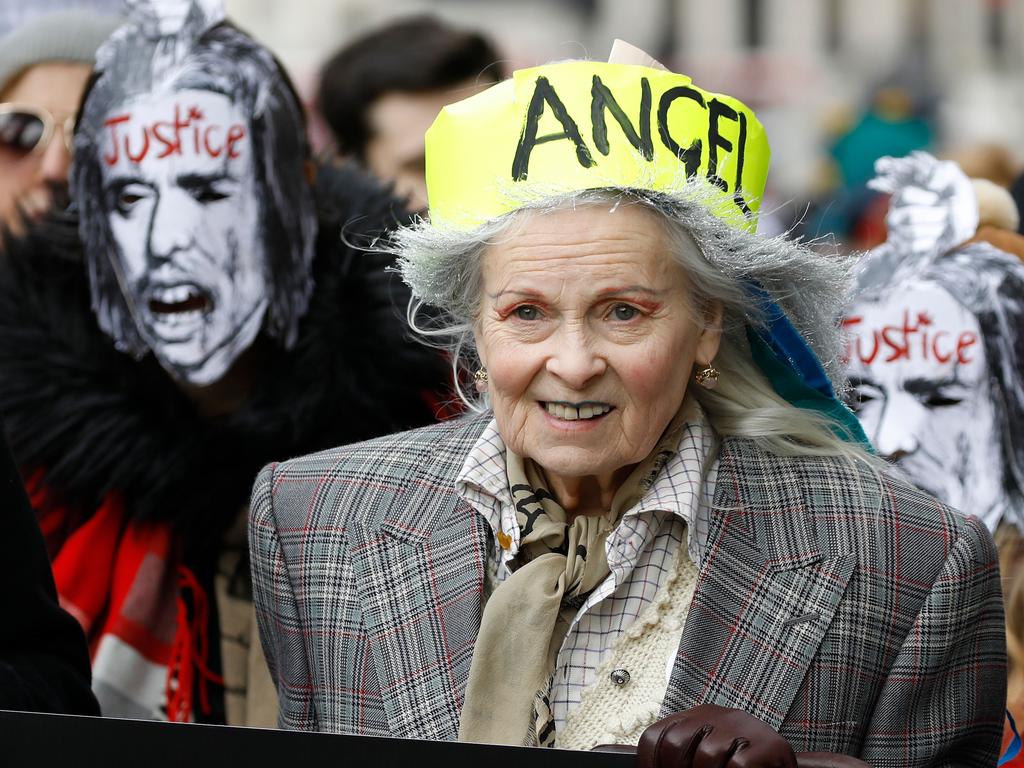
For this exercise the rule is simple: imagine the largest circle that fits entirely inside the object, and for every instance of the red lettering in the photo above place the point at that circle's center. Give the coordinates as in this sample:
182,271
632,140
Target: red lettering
908,330
112,123
206,142
235,134
967,340
167,137
171,145
179,124
137,158
897,342
935,348
194,116
899,348
868,359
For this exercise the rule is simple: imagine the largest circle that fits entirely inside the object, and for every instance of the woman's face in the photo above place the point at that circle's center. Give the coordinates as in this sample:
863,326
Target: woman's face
587,334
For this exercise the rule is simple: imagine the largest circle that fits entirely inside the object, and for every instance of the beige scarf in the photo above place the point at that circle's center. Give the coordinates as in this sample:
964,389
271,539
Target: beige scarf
527,617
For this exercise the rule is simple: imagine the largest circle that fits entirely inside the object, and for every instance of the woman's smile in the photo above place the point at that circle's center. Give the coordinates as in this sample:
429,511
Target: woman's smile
575,417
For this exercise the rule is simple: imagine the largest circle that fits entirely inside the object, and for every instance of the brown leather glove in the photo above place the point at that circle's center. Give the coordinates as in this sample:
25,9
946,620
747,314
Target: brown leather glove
710,736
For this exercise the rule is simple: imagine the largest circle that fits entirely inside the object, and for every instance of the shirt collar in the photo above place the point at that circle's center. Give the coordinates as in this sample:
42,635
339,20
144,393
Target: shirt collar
683,488
483,483
677,489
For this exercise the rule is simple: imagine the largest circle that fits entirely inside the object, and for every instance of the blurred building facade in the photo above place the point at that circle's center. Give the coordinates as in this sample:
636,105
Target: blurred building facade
807,66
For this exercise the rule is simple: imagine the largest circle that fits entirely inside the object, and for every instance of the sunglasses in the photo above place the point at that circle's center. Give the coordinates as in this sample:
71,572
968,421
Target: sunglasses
25,130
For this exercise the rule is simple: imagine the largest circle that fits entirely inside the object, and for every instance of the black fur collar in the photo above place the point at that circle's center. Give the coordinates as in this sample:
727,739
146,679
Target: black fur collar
95,420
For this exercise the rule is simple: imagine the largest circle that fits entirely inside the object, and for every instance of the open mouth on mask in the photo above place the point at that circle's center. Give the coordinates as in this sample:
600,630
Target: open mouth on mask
588,410
178,304
178,300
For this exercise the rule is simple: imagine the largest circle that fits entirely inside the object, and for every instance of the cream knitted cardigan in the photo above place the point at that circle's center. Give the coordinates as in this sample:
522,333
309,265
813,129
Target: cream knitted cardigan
613,712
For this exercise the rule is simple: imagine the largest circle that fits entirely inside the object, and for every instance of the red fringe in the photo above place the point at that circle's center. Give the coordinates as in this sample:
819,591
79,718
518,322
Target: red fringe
190,652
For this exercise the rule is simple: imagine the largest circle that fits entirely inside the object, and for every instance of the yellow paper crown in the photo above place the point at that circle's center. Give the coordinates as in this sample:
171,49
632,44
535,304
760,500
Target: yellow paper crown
588,125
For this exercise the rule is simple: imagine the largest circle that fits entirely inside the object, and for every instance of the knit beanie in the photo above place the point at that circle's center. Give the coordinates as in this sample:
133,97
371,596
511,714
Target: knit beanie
71,35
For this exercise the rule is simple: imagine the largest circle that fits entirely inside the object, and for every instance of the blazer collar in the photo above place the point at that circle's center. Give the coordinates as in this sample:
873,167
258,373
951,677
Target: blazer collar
766,593
420,565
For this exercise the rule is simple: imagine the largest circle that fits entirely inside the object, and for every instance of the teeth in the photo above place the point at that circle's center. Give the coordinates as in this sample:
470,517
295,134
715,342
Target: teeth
570,413
175,295
180,318
562,412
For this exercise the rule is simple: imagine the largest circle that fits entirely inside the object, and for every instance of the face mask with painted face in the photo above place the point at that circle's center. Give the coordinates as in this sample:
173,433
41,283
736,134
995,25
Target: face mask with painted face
921,389
196,212
180,193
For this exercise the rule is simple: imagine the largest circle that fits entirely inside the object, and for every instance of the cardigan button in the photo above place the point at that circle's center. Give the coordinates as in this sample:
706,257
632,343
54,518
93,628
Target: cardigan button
619,676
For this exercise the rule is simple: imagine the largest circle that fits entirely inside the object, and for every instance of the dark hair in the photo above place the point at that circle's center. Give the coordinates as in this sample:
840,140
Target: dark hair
223,60
416,54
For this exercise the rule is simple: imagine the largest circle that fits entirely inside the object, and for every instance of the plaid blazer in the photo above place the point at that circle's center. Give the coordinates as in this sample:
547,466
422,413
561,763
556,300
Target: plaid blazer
850,611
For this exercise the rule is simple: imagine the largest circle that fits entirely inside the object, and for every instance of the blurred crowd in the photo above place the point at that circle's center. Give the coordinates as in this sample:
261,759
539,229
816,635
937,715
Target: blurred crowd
138,438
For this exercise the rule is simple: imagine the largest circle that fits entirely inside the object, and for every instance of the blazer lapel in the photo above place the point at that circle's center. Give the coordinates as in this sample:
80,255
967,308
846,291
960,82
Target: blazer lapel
421,584
765,595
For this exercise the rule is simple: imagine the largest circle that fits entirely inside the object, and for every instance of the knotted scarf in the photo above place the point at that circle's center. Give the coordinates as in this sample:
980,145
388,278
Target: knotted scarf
527,617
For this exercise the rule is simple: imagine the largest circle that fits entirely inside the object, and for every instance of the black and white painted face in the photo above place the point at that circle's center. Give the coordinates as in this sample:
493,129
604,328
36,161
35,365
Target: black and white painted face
921,389
181,198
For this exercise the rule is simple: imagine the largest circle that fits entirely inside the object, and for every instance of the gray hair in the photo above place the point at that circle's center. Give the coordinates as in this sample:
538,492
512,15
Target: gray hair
442,266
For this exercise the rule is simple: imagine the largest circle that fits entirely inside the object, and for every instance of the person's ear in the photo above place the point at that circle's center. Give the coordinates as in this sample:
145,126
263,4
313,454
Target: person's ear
711,334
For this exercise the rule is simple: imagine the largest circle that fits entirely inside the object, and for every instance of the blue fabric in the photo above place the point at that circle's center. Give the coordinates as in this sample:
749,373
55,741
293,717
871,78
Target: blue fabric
795,372
789,346
788,384
1013,749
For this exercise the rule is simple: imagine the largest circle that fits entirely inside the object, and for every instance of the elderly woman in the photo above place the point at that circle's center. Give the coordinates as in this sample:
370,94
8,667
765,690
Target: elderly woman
659,526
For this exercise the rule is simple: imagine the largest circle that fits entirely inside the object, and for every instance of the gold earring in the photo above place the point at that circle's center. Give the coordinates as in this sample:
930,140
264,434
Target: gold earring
707,376
480,379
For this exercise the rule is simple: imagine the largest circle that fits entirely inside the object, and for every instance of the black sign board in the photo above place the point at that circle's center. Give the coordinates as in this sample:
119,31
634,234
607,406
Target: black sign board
29,739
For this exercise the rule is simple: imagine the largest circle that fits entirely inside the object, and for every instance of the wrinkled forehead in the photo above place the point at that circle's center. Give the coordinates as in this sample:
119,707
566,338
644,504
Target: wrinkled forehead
173,132
918,332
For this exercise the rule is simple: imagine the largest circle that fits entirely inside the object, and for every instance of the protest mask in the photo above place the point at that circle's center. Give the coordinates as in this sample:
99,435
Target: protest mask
189,174
921,388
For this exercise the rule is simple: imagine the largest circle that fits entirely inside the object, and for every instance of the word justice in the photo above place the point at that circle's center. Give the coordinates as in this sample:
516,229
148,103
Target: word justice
177,136
914,339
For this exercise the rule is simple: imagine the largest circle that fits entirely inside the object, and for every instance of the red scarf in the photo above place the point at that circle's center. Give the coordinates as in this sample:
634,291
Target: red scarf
124,582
